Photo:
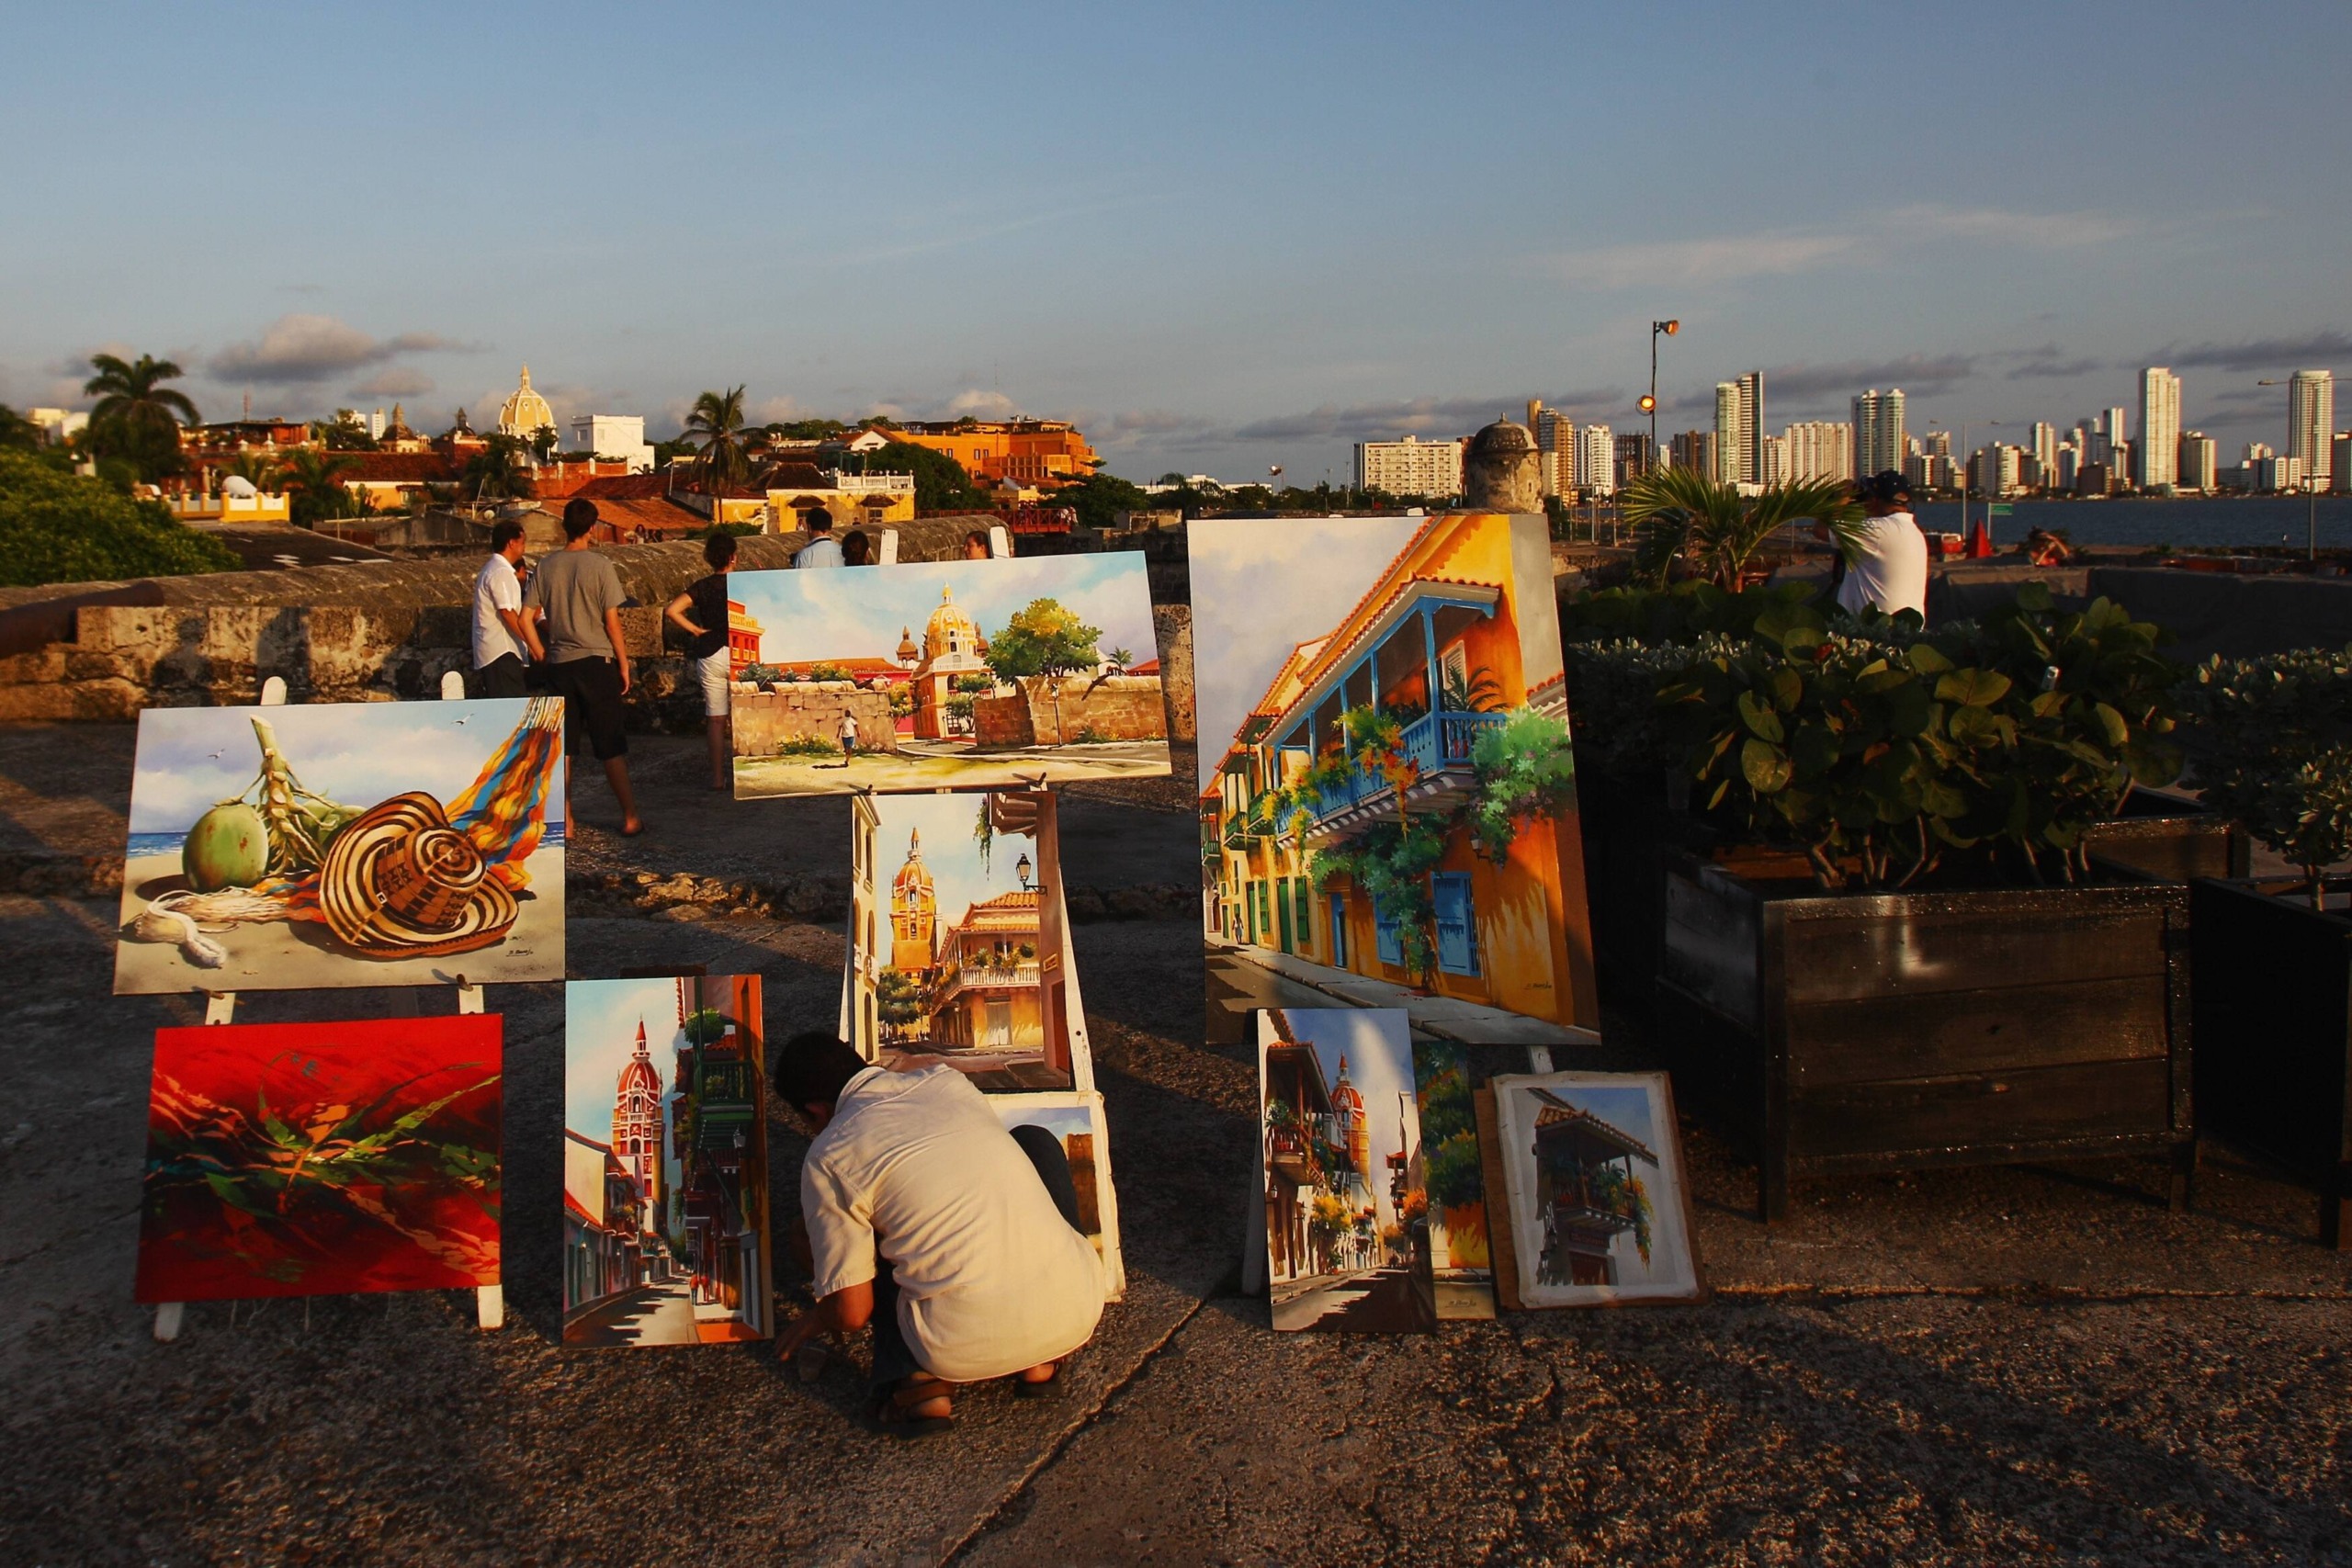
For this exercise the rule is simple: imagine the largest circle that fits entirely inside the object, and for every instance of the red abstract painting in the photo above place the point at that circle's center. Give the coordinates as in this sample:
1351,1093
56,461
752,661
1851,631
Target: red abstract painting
306,1159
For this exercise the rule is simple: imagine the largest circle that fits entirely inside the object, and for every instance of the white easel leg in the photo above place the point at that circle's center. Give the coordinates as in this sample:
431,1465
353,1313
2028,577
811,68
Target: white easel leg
489,1306
168,1315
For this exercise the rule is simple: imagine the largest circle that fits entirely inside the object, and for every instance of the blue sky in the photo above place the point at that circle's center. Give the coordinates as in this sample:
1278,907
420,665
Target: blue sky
600,1020
952,855
862,612
1221,236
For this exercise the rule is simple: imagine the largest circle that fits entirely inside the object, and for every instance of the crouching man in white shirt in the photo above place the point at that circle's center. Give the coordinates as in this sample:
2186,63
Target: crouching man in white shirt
956,1240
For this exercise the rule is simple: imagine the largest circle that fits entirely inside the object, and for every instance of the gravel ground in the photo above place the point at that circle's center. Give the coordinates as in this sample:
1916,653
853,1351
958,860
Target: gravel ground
2036,1363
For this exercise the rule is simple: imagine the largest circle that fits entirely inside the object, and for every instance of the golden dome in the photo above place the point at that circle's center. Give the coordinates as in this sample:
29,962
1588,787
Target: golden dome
950,632
913,877
524,413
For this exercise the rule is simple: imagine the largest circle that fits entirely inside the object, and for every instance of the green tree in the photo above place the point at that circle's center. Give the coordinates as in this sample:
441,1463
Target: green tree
258,468
1099,498
137,417
804,429
498,472
897,996
57,526
18,433
313,477
1043,639
941,484
346,431
543,443
715,430
1681,517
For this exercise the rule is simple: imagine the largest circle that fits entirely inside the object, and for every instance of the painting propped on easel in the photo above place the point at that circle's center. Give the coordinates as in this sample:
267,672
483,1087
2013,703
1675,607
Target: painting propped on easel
305,1159
345,844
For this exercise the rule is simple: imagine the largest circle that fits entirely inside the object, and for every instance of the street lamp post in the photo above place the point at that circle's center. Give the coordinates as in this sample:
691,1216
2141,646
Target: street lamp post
2311,489
1649,404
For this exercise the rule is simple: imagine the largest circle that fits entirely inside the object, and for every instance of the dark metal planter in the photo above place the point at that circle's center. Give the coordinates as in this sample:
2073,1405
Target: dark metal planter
1844,1032
2274,1035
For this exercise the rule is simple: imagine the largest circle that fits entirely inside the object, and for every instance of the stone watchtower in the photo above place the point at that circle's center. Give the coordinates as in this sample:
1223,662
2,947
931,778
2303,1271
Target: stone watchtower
1501,471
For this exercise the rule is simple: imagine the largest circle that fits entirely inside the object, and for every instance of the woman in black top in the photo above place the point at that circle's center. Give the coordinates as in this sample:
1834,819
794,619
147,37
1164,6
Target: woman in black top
701,614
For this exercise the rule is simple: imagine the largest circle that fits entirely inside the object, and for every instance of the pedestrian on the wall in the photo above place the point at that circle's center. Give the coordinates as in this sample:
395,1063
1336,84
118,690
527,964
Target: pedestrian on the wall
578,596
701,613
503,634
822,548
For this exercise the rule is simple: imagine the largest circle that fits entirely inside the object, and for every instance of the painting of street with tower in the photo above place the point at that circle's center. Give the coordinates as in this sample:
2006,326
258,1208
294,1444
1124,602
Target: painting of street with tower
945,675
957,948
666,1170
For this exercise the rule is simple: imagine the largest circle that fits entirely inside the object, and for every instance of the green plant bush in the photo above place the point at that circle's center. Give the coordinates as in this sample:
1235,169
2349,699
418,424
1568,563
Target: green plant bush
58,526
2273,748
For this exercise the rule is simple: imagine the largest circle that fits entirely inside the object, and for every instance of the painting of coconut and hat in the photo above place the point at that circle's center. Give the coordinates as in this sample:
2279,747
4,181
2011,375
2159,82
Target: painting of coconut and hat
345,844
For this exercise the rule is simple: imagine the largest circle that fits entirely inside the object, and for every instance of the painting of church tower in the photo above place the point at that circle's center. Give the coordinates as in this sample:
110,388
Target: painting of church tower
636,1125
914,913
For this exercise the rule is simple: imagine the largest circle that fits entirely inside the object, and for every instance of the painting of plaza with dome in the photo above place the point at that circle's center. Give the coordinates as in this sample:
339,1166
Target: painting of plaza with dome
958,951
946,675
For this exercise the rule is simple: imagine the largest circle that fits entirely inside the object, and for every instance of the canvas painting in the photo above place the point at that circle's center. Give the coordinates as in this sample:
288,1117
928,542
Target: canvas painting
307,1159
958,943
967,674
1341,1162
1387,794
1460,1260
345,844
665,1162
1600,1210
1077,1121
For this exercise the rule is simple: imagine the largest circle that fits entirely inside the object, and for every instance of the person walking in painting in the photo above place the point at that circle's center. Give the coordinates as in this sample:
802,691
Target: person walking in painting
848,735
701,613
959,1241
822,548
578,596
502,633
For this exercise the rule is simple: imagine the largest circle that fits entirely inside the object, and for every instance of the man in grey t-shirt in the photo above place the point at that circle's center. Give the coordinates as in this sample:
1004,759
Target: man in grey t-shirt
578,597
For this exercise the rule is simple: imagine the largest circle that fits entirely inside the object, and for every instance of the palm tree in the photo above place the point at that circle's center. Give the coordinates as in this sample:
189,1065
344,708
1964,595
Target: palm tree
714,426
136,416
1681,514
498,471
314,476
259,469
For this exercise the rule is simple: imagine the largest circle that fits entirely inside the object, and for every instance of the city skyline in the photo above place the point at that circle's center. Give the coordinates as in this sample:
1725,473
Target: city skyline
1175,277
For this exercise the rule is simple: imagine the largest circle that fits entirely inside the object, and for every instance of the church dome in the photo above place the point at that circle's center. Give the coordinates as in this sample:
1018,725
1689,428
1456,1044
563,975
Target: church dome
914,876
1345,1101
950,631
525,411
640,1074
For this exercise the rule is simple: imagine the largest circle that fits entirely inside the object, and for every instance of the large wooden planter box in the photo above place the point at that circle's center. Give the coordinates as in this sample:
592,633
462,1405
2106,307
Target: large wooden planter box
2274,1035
1877,1032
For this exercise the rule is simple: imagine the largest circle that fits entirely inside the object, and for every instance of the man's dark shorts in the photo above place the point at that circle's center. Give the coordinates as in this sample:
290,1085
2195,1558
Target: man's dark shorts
502,677
591,690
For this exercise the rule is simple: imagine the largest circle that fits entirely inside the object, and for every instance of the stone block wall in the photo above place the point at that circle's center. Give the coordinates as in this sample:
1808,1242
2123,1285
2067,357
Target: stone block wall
766,720
1171,624
1124,708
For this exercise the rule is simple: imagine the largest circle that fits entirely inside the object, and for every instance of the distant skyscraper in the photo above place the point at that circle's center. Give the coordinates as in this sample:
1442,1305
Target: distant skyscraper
2199,462
375,426
2311,425
1695,450
1410,467
1555,440
1596,449
2159,450
2045,448
2341,478
1634,456
1727,448
1773,457
1820,449
1880,441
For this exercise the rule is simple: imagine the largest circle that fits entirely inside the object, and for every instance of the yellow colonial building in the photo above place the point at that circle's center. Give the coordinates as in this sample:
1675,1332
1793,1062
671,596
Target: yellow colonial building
987,996
1438,646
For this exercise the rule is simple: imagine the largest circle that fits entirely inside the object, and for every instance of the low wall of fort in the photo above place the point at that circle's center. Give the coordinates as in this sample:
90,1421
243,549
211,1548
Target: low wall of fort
767,721
1123,707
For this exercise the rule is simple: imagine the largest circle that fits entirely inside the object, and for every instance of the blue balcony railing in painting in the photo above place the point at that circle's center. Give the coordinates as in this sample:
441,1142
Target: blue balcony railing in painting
1435,742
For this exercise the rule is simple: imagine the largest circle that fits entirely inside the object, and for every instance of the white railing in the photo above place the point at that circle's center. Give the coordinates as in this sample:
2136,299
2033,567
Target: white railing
867,484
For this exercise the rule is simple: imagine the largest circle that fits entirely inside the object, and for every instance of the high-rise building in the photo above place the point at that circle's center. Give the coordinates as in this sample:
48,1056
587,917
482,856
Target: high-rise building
1739,429
1773,457
2158,453
1635,457
1410,467
2070,464
1880,441
1820,449
375,426
1596,448
2045,448
2196,466
1695,450
2311,425
2340,450
1555,442
1727,443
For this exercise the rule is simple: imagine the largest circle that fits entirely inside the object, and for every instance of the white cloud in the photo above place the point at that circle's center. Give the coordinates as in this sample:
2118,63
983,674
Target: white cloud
306,347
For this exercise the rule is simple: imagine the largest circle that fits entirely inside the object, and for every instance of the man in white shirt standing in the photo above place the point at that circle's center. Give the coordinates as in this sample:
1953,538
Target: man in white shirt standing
957,1239
502,632
1886,556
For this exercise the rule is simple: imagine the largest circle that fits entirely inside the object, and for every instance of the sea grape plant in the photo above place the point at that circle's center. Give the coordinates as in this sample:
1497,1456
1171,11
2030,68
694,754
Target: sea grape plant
2274,749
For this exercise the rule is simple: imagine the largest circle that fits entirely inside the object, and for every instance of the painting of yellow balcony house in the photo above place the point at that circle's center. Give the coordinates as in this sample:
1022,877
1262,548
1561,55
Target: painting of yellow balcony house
1387,796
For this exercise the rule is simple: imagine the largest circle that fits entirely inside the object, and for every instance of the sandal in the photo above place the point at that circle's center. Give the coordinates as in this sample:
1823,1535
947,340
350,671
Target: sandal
1048,1387
897,1412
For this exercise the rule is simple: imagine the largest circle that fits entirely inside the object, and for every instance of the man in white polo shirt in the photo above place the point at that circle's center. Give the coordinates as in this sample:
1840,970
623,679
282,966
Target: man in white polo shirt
500,631
957,1240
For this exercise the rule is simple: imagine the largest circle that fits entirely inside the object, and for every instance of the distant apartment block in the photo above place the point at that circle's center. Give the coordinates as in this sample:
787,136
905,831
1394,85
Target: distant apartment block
2158,453
1409,466
2198,464
1635,457
1880,440
1695,450
1740,418
1047,452
1819,449
1555,435
2341,452
1596,460
2311,425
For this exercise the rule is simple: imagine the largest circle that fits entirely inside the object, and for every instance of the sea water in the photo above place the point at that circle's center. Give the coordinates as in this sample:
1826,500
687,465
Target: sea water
2236,519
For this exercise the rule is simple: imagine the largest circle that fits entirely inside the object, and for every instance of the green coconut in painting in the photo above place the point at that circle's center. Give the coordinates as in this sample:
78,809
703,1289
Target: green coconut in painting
228,847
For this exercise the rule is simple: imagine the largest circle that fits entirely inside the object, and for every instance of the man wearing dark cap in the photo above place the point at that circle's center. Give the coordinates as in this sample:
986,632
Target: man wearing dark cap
957,1240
